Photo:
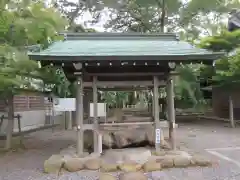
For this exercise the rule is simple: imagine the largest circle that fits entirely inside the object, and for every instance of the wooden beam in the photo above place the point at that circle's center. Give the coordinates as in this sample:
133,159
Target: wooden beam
123,83
127,124
124,74
125,89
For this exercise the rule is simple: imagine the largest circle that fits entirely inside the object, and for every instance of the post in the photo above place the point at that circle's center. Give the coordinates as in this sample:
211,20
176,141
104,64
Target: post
95,115
153,105
79,115
1,121
156,113
231,112
69,118
171,111
19,129
53,114
100,143
86,101
10,123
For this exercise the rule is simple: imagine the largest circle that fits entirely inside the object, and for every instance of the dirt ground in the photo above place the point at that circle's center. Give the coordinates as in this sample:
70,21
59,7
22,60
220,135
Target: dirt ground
214,139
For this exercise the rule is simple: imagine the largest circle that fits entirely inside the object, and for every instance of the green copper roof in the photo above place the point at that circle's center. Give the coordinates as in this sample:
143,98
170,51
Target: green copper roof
117,45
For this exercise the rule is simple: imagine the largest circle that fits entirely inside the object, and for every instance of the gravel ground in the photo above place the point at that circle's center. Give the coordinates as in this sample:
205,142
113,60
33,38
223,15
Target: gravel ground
27,164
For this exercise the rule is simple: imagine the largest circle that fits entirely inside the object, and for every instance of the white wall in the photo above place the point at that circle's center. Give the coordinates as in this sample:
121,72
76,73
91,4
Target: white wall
30,120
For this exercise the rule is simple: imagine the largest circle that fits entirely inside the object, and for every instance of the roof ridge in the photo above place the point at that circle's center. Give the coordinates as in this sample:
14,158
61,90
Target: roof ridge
124,36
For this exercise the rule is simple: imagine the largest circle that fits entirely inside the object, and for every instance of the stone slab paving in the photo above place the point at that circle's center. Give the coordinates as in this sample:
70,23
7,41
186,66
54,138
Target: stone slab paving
28,164
232,154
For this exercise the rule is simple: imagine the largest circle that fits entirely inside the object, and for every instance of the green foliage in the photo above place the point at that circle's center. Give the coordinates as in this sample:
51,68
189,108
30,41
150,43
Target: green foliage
25,23
189,18
114,99
187,86
143,16
227,70
32,23
225,41
14,68
54,80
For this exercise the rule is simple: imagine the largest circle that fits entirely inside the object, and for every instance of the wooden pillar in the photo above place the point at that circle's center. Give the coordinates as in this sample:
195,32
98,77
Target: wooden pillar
231,112
53,113
86,103
153,105
69,119
95,115
79,116
156,114
171,111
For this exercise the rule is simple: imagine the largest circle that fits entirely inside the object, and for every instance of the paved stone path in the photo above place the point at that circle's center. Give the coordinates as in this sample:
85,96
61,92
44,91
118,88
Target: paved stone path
27,164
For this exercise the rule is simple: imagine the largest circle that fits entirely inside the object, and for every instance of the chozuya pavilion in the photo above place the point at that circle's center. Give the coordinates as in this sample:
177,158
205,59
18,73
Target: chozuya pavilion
122,61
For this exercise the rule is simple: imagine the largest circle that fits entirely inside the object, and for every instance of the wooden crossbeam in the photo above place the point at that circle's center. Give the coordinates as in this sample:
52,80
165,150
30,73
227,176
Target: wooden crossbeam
127,124
122,83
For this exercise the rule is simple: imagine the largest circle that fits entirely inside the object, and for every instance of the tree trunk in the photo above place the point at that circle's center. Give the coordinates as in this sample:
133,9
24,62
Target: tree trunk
20,130
10,124
162,5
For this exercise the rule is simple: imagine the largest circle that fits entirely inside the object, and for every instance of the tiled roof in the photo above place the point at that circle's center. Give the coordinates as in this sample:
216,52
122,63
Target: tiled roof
110,44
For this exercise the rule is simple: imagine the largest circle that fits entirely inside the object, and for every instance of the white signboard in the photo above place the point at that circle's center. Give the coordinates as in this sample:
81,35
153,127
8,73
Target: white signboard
64,104
158,136
101,107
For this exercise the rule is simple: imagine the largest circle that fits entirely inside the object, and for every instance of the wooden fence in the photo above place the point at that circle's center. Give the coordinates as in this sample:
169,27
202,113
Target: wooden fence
26,103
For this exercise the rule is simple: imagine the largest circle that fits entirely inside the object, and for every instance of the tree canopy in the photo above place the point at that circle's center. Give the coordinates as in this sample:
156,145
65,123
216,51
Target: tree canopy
227,70
26,23
23,25
193,20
